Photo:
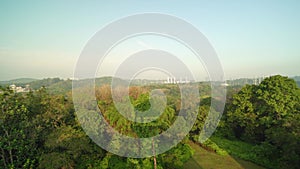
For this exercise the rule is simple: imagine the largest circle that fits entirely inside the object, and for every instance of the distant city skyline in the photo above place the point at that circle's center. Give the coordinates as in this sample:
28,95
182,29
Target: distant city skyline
41,39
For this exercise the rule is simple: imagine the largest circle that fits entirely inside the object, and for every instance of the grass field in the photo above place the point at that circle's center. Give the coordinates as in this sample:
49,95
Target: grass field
203,159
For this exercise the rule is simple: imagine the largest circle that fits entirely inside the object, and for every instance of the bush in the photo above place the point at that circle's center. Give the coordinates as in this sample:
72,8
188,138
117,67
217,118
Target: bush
211,146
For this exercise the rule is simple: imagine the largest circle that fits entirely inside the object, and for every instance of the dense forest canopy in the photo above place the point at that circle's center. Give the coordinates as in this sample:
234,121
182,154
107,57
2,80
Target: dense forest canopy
39,129
268,114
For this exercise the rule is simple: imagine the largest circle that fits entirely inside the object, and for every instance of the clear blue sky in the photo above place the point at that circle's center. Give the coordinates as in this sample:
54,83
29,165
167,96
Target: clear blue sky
44,38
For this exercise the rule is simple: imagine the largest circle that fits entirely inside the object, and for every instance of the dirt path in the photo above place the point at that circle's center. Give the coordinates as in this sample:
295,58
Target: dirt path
203,159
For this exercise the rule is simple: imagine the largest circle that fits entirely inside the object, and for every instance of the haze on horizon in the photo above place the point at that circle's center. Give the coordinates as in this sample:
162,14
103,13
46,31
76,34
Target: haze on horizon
41,39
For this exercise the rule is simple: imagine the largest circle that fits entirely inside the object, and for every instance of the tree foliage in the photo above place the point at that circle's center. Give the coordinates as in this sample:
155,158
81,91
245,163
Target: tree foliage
39,129
268,114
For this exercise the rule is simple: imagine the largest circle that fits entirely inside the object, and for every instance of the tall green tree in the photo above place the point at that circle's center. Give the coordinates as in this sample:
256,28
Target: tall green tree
18,147
267,114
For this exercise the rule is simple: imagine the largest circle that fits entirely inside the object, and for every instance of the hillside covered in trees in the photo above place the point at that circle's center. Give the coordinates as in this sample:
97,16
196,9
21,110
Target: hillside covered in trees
40,129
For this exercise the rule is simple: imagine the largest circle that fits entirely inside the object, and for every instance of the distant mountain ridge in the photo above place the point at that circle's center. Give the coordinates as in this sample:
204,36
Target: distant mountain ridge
18,81
296,78
57,85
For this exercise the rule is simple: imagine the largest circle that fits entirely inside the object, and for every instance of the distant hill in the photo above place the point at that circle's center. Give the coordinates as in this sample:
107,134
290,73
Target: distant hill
19,81
296,78
244,81
60,86
44,82
57,85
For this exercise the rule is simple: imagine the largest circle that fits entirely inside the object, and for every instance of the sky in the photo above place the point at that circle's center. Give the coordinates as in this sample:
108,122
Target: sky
40,39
